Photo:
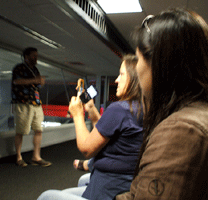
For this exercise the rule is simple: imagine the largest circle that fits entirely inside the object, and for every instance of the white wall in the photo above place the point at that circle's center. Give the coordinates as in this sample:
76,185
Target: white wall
5,106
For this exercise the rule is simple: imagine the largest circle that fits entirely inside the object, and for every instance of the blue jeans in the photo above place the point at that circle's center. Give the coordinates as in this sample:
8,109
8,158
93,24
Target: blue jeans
67,194
84,180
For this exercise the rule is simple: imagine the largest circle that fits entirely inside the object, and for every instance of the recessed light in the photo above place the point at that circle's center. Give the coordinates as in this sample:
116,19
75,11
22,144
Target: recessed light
120,6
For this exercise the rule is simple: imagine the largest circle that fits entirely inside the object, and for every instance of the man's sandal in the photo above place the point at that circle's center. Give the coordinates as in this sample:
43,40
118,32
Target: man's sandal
21,163
41,163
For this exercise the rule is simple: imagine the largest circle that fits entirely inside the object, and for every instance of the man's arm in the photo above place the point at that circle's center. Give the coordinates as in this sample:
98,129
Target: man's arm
23,81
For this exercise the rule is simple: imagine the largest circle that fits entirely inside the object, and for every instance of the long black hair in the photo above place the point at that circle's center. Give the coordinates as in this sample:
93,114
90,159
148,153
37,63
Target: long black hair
175,45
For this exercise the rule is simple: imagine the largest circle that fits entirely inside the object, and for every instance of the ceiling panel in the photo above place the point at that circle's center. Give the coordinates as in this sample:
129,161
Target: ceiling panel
152,7
51,12
18,12
200,7
126,22
80,45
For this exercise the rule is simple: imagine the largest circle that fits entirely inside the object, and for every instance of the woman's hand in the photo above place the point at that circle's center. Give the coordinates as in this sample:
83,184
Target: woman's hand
89,105
75,106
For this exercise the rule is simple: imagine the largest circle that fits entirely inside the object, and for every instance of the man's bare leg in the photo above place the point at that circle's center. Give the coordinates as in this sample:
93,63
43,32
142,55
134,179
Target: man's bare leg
18,145
37,144
36,159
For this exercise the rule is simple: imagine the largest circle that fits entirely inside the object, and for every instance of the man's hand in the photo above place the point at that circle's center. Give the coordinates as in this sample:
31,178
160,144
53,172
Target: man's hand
40,80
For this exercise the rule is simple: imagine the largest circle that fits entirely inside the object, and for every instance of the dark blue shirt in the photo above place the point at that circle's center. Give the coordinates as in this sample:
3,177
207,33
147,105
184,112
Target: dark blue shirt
125,131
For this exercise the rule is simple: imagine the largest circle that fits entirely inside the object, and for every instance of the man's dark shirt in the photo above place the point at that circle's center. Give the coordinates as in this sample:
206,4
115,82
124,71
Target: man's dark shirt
26,94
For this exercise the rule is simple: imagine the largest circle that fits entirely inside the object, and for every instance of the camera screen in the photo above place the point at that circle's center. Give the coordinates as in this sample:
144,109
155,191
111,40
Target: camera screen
91,91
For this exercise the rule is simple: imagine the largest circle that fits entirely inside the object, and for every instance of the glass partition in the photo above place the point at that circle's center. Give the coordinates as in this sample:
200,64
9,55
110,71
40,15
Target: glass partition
60,86
55,94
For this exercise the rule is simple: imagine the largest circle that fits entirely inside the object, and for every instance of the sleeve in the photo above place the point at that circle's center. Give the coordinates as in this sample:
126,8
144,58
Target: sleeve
124,196
17,72
110,122
171,166
37,73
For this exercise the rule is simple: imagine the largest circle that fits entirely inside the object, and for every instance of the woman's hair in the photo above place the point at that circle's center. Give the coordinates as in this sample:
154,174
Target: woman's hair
175,45
132,90
132,87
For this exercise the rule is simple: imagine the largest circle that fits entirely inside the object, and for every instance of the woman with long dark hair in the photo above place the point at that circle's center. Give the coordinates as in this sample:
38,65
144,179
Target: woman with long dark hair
172,50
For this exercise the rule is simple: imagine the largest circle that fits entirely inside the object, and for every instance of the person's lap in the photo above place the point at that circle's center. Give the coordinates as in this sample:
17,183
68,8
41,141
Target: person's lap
75,190
84,180
70,193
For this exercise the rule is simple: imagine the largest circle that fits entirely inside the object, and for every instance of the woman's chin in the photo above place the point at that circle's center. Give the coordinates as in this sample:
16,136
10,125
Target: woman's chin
118,94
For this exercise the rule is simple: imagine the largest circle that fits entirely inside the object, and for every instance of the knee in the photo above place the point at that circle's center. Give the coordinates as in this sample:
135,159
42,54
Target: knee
84,180
38,132
19,135
47,195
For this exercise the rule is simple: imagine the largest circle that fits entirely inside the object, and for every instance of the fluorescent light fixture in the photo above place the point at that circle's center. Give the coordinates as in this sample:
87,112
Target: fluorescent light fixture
43,64
120,6
34,34
5,72
46,65
42,38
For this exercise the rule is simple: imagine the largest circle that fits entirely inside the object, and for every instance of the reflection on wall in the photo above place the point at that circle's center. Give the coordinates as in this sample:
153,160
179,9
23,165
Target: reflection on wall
54,93
5,106
51,135
55,102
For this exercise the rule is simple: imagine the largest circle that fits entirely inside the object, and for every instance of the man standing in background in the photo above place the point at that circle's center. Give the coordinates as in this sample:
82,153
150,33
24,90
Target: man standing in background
28,112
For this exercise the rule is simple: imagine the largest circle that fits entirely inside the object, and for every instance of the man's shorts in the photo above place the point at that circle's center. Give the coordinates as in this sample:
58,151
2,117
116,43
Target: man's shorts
27,116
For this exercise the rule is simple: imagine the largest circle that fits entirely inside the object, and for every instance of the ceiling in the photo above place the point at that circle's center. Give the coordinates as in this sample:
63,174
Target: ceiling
80,52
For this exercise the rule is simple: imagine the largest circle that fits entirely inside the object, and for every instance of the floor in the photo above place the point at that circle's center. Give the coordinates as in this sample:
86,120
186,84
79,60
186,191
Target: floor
28,183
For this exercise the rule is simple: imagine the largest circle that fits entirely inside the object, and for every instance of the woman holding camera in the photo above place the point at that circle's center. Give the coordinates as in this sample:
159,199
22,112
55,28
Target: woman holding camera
113,142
